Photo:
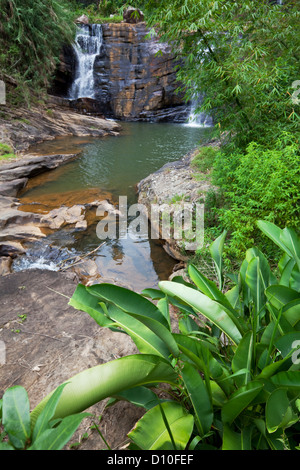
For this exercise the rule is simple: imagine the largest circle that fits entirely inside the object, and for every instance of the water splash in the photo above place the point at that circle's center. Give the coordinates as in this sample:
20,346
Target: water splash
198,119
87,46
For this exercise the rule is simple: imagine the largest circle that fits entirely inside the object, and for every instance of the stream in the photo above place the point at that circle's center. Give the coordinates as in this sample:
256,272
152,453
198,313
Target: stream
106,168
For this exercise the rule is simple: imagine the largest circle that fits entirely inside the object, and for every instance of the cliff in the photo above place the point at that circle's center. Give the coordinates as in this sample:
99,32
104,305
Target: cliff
135,76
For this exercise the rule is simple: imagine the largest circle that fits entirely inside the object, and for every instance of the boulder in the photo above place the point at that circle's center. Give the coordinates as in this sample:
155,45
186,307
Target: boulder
83,19
133,15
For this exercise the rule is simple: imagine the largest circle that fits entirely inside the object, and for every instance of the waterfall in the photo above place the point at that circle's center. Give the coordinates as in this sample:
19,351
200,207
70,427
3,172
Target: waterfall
198,119
87,47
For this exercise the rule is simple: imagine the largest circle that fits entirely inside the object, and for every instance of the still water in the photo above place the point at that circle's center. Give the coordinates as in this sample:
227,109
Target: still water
108,168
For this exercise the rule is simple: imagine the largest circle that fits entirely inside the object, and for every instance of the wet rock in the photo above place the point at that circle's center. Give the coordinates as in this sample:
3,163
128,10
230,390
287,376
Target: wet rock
132,81
61,216
11,248
11,188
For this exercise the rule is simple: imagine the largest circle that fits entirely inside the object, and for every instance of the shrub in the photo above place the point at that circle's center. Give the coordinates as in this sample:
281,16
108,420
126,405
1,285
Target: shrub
258,183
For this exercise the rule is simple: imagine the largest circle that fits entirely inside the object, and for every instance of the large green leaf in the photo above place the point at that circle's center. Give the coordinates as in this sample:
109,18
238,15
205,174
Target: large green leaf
42,423
257,278
147,341
206,306
216,251
199,397
129,301
239,400
56,438
291,240
151,432
106,380
208,287
84,301
279,413
242,358
273,232
16,416
287,379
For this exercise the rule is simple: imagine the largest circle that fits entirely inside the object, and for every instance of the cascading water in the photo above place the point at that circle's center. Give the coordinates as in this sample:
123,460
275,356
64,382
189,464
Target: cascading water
87,47
198,119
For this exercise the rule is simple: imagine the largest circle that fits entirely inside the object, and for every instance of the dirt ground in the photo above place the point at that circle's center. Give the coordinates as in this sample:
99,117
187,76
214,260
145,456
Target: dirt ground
47,342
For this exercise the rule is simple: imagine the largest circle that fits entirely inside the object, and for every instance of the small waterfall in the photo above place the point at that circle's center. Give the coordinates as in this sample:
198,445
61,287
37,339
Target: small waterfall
87,47
198,119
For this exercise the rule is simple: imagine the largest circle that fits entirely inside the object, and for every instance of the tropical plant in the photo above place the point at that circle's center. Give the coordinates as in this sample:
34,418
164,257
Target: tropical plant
233,369
46,433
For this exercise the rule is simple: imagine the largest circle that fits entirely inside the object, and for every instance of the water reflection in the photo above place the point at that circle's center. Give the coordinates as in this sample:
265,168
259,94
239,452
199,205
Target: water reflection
108,168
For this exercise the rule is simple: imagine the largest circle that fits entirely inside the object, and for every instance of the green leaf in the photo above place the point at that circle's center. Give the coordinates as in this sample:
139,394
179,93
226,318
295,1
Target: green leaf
208,287
6,446
287,379
216,251
129,301
239,400
257,278
55,439
242,358
206,306
151,433
291,240
84,301
42,423
199,397
139,396
274,233
106,380
279,413
16,416
231,439
146,340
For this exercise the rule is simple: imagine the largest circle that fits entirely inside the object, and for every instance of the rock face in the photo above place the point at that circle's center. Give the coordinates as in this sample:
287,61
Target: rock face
133,80
135,76
22,128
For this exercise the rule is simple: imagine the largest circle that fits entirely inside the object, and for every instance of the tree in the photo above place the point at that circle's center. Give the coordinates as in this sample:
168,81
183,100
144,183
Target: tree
242,58
31,36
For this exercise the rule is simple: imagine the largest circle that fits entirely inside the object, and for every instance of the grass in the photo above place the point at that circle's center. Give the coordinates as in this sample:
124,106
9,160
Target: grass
6,152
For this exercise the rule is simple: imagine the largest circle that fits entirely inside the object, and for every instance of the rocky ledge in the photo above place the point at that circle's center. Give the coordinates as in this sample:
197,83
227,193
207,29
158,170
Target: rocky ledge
22,128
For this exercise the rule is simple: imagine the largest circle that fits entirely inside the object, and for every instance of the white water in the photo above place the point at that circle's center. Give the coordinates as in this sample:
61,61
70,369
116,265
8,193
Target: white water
198,119
87,46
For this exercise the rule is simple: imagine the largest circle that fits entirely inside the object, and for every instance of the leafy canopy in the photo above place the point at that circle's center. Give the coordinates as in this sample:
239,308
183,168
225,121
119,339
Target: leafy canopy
242,58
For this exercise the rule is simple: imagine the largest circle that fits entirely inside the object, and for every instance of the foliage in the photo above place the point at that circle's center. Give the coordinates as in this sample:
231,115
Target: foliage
31,37
258,183
205,158
45,434
99,11
233,368
241,58
6,152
